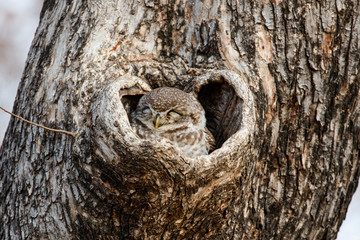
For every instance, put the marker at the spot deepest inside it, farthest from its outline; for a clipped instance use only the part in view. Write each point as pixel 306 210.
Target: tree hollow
pixel 223 108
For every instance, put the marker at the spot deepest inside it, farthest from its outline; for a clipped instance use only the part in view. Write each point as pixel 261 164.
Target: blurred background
pixel 18 22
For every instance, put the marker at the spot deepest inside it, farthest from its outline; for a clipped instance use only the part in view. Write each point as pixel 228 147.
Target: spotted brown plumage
pixel 176 115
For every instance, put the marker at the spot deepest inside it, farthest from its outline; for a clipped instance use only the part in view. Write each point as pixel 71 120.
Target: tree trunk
pixel 279 81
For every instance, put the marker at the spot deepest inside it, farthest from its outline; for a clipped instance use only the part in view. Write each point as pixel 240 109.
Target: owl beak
pixel 157 122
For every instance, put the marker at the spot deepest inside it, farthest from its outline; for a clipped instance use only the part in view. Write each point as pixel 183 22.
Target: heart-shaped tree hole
pixel 223 108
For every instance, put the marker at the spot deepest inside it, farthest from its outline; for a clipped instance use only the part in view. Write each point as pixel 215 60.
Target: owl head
pixel 166 108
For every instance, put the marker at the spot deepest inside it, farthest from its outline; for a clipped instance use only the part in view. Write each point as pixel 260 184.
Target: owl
pixel 175 115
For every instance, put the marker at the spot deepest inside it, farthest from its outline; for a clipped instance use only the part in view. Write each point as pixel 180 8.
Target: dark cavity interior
pixel 223 110
pixel 130 103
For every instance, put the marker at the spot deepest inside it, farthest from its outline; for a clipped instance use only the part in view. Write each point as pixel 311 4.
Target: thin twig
pixel 38 125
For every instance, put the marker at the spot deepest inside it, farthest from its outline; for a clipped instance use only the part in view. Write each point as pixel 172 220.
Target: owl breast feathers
pixel 176 115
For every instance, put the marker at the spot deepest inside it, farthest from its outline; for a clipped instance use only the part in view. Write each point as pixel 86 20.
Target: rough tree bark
pixel 279 81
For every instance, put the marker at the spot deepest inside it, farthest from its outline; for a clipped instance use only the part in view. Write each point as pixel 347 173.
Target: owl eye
pixel 174 114
pixel 146 110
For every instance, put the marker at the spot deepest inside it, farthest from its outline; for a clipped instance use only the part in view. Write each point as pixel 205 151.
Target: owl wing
pixel 210 140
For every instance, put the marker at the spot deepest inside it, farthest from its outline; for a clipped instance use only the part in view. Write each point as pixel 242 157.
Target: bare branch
pixel 38 125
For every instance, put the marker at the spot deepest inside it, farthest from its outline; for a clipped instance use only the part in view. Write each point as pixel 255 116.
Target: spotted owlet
pixel 176 115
